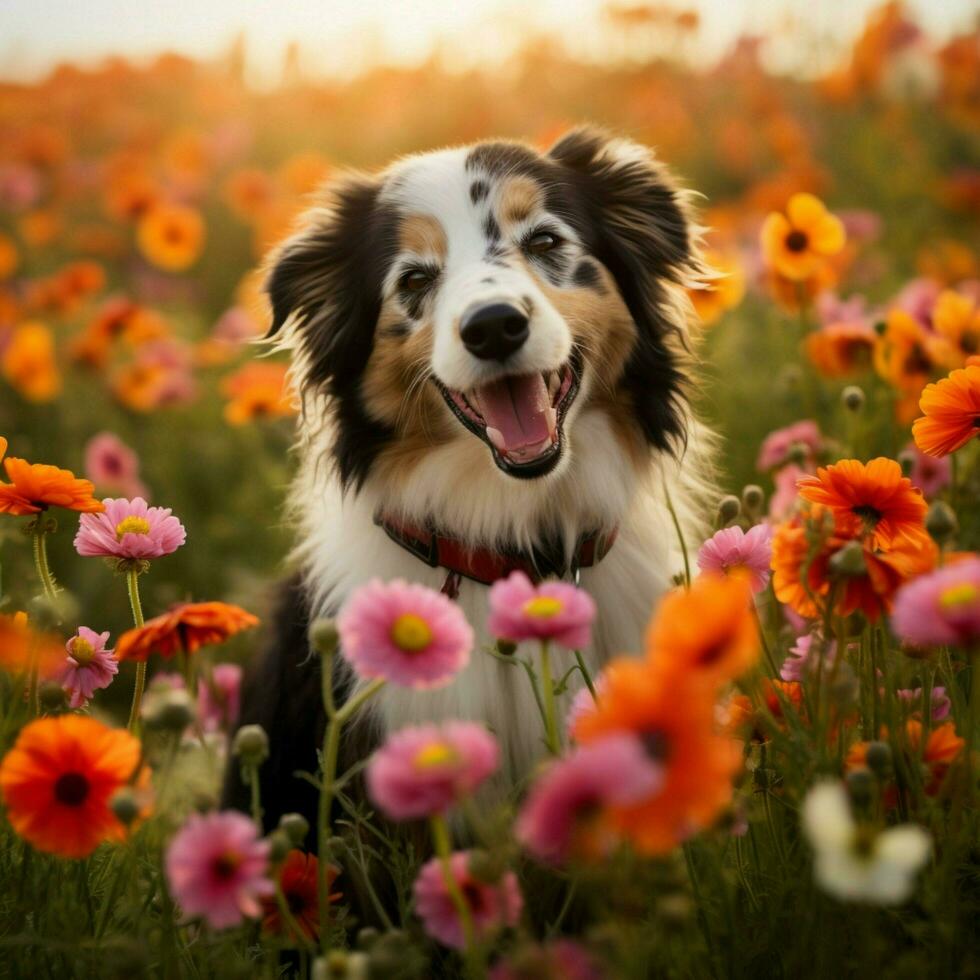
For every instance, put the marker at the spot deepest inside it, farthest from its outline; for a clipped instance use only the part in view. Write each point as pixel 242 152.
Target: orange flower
pixel 8 257
pixel 29 363
pixel 956 319
pixel 302 174
pixel 904 355
pixel 298 881
pixel 119 318
pixel 797 243
pixel 58 779
pixel 721 294
pixel 258 390
pixel 171 236
pixel 21 646
pixel 792 295
pixel 951 413
pixel 35 487
pixel 248 192
pixel 872 500
pixel 185 629
pixel 799 550
pixel 707 629
pixel 131 195
pixel 675 718
pixel 841 349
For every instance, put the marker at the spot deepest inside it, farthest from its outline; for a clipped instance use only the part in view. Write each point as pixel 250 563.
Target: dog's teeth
pixel 497 438
pixel 554 383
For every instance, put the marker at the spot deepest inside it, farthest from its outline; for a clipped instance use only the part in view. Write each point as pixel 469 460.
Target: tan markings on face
pixel 424 235
pixel 396 389
pixel 517 200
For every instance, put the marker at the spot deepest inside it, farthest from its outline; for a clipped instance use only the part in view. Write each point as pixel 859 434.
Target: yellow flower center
pixel 410 633
pixel 82 651
pixel 959 596
pixel 434 754
pixel 132 525
pixel 543 607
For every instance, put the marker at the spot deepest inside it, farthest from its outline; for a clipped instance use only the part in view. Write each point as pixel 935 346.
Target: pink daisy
pixel 940 705
pixel 560 959
pixel 111 465
pixel 218 697
pixel 734 550
pixel 562 815
pixel 551 611
pixel 786 498
pixel 407 634
pixel 129 529
pixel 777 445
pixel 422 771
pixel 491 906
pixel 941 608
pixel 89 667
pixel 929 474
pixel 217 868
pixel 803 658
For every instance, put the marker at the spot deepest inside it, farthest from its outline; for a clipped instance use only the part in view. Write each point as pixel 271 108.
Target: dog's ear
pixel 324 286
pixel 640 226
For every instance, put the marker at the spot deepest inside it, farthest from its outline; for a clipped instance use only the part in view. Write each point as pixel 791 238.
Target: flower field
pixel 781 778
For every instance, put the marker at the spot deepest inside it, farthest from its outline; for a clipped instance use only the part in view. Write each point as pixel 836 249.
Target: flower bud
pixel 506 648
pixel 849 561
pixel 728 509
pixel 753 497
pixel 47 614
pixel 295 826
pixel 52 697
pixel 125 806
pixel 941 522
pixel 878 758
pixel 367 937
pixel 798 453
pixel 280 844
pixel 251 745
pixel 324 637
pixel 172 711
pixel 852 398
pixel 338 964
pixel 860 786
pixel 336 846
pixel 906 459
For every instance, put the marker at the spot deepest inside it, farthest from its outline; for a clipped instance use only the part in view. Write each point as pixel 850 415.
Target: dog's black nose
pixel 494 332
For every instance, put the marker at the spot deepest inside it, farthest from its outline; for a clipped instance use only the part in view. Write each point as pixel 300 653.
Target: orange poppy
pixel 248 192
pixel 29 363
pixel 185 629
pixel 905 351
pixel 798 242
pixel 869 500
pixel 675 717
pixel 708 628
pixel 59 777
pixel 792 295
pixel 798 549
pixel 119 318
pixel 171 236
pixel 21 646
pixel 303 173
pixel 257 390
pixel 721 294
pixel 951 413
pixel 298 882
pixel 956 320
pixel 8 257
pixel 841 349
pixel 35 487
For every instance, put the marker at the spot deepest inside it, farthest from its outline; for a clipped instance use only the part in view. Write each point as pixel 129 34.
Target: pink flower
pixel 89 667
pixel 831 309
pixel 560 959
pixel 405 633
pixel 236 326
pixel 942 607
pixel 733 550
pixel 551 611
pixel 784 501
pixel 218 697
pixel 129 529
pixel 929 474
pixel 917 298
pixel 562 815
pixel 422 771
pixel 491 906
pixel 803 658
pixel 777 445
pixel 217 868
pixel 111 465
pixel 938 699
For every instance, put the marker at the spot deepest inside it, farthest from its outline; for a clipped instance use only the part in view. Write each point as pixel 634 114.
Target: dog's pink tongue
pixel 517 410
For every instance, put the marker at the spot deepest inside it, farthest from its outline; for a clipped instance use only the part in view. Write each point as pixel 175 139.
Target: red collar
pixel 486 566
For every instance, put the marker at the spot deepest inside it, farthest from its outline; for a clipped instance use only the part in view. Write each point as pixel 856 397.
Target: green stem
pixel 548 692
pixel 133 587
pixel 41 564
pixel 680 535
pixel 293 929
pixel 443 849
pixel 255 795
pixel 770 660
pixel 585 673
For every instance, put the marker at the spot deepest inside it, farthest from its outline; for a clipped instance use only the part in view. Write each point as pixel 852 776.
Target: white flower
pixel 852 864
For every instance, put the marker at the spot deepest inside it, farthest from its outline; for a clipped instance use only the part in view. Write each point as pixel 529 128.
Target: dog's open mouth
pixel 520 417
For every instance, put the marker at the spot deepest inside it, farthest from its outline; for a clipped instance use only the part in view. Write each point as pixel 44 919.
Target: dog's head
pixel 492 293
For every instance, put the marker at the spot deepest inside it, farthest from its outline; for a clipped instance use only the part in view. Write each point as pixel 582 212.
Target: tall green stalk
pixel 132 584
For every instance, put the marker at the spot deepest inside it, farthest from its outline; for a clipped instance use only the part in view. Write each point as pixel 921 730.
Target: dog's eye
pixel 415 280
pixel 542 242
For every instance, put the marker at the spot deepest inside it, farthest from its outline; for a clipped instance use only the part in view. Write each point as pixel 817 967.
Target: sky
pixel 338 37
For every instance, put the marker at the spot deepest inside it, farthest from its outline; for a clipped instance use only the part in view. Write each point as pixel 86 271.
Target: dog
pixel 492 350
